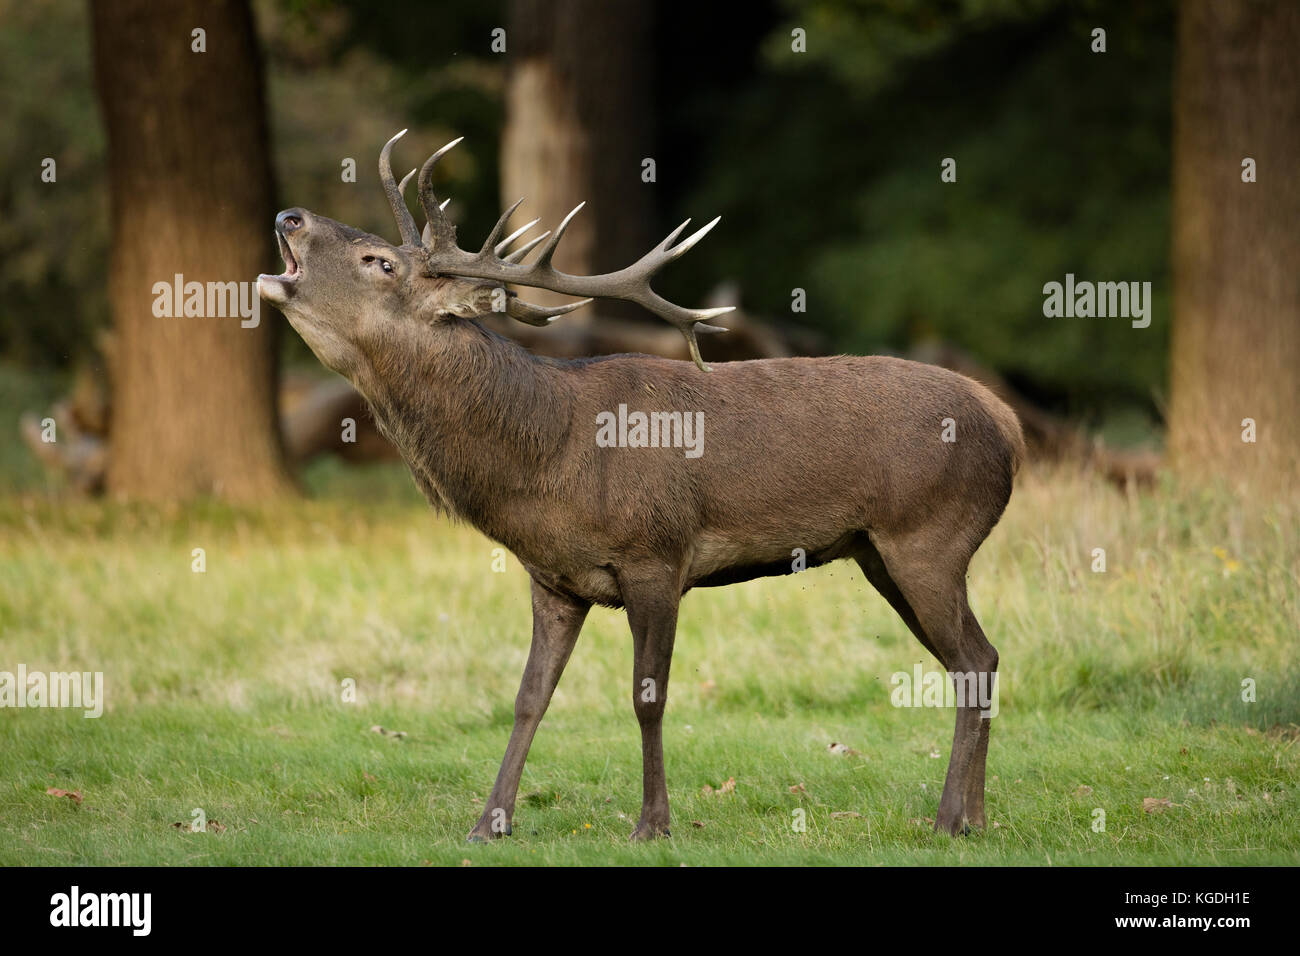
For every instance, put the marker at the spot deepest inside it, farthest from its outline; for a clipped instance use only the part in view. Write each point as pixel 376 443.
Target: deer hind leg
pixel 928 572
pixel 557 621
pixel 974 796
pixel 873 566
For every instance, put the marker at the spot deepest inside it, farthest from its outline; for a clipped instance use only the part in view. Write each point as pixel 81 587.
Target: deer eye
pixel 383 263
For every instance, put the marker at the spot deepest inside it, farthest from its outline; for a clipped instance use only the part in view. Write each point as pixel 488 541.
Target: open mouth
pixel 278 290
pixel 291 270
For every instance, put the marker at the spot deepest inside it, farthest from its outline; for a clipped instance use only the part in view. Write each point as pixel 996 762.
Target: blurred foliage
pixel 53 236
pixel 1062 166
pixel 824 164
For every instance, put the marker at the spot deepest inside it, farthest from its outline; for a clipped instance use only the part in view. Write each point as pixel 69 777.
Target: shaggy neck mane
pixel 478 419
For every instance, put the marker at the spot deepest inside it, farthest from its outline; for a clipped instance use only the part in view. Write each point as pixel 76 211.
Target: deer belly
pixel 728 559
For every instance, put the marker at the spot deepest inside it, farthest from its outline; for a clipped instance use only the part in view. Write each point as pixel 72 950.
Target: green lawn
pixel 224 692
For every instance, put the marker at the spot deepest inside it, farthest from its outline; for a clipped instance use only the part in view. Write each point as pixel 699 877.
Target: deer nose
pixel 290 220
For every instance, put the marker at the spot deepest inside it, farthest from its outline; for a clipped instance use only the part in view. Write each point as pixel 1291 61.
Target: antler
pixel 444 257
pixel 405 221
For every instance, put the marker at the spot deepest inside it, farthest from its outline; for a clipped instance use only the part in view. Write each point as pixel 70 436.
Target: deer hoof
pixel 955 828
pixel 479 835
pixel 645 831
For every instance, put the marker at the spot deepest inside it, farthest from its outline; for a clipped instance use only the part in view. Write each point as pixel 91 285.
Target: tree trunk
pixel 193 397
pixel 1236 245
pixel 578 125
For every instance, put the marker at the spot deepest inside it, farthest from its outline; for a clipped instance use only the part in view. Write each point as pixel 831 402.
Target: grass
pixel 224 691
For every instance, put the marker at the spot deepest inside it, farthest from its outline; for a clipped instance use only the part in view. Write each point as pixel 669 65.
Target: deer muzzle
pixel 278 289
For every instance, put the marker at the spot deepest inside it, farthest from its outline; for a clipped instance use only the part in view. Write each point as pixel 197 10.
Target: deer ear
pixel 468 302
pixel 458 299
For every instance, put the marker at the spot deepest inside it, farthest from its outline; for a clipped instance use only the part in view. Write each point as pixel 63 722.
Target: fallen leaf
pixel 728 787
pixel 73 795
pixel 1083 790
pixel 395 734
pixel 1156 804
pixel 213 826
pixel 698 824
pixel 843 750
pixel 921 821
pixel 798 788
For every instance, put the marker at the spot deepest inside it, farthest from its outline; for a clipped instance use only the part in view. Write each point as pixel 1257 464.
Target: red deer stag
pixel 903 467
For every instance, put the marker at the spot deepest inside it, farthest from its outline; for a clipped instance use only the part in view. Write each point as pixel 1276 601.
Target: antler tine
pixel 536 315
pixel 686 321
pixel 672 236
pixel 518 255
pixel 500 227
pixel 427 235
pixel 441 230
pixel 543 261
pixel 405 221
pixel 684 246
pixel 505 243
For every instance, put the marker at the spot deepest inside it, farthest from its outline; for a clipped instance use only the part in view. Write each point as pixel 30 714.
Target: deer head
pixel 342 285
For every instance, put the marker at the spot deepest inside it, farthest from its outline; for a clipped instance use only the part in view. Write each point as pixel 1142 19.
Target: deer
pixel 842 457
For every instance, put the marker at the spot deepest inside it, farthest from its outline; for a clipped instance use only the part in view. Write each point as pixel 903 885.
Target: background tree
pixel 1236 339
pixel 191 192
pixel 579 122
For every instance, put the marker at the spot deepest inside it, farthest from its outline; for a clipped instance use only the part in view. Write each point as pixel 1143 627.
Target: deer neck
pixel 477 418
